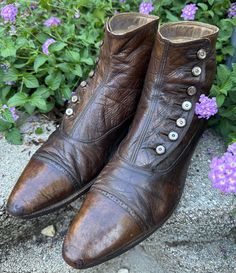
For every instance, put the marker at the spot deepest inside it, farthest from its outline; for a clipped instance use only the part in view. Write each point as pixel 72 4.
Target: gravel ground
pixel 197 238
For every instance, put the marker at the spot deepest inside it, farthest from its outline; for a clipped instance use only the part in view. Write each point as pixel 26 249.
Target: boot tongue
pixel 127 22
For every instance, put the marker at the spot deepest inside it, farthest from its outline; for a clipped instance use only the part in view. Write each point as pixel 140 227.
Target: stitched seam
pixel 124 206
pixel 153 104
pixel 59 167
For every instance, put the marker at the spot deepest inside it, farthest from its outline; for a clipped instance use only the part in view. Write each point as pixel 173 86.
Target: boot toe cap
pixel 39 187
pixel 99 232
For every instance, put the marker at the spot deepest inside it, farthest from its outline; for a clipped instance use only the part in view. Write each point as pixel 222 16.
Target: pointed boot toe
pixel 96 235
pixel 40 187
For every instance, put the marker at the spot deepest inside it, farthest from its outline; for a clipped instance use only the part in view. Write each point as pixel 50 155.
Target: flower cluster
pixel 189 12
pixel 223 171
pixel 232 10
pixel 46 45
pixel 9 13
pixel 52 22
pixel 12 110
pixel 146 7
pixel 206 107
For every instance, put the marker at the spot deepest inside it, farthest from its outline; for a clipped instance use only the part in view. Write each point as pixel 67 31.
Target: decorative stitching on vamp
pixel 124 206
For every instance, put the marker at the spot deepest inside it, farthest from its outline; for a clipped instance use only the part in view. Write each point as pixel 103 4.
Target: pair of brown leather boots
pixel 145 85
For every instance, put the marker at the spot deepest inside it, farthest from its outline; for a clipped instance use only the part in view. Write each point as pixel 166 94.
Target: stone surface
pixel 197 238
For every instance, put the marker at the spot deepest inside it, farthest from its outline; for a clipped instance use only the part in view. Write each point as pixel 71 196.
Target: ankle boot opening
pixel 187 31
pixel 126 22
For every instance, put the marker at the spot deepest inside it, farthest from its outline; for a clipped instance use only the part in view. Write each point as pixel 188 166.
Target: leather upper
pixel 96 120
pixel 145 177
pixel 137 173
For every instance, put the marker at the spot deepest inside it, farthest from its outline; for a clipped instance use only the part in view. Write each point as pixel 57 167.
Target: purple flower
pixel 12 110
pixel 33 6
pixel 189 11
pixel 122 1
pixel 14 114
pixel 4 67
pixel 77 14
pixel 9 13
pixel 206 107
pixel 12 30
pixel 47 43
pixel 232 10
pixel 52 22
pixel 223 172
pixel 146 7
pixel 9 83
pixel 232 149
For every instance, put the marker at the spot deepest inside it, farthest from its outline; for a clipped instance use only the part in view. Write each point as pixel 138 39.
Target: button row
pixel 186 105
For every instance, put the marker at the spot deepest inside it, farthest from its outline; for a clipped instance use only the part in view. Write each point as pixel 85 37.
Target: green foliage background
pixel 43 82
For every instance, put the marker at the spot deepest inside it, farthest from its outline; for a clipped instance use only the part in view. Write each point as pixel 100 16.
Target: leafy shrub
pixel 35 82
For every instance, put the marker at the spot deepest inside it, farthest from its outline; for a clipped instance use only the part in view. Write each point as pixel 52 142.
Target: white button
pixel 173 136
pixel 186 105
pixel 74 98
pixel 201 54
pixel 83 83
pixel 181 122
pixel 101 43
pixel 69 111
pixel 160 149
pixel 192 90
pixel 91 73
pixel 196 71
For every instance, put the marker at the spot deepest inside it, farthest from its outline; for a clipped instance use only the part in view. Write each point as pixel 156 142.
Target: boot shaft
pixel 115 87
pixel 182 67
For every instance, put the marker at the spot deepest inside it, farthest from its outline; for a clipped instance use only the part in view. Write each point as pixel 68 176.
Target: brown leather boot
pixel 140 187
pixel 97 118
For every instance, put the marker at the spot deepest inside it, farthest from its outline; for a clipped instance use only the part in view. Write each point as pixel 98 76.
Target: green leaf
pixel 54 80
pixel 203 6
pixel 64 67
pixel 228 50
pixel 171 17
pixel 43 92
pixel 66 92
pixel 13 136
pixel 10 75
pixel 18 99
pixel 38 102
pixel 72 56
pixel 226 87
pixel 9 51
pixel 39 61
pixel 211 2
pixel 30 81
pixel 4 125
pixel 57 46
pixel 45 3
pixel 78 71
pixel 29 108
pixel 222 73
pixel 7 115
pixel 220 100
pixel 87 60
